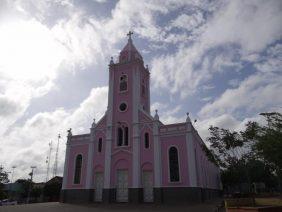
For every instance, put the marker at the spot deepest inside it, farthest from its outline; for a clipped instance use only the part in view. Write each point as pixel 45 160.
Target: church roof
pixel 129 47
pixel 130 50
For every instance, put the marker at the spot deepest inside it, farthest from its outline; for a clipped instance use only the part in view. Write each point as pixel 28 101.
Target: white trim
pixel 168 165
pixel 191 157
pixel 66 168
pixel 75 169
pixel 157 156
pixel 136 181
pixel 109 129
pixel 149 95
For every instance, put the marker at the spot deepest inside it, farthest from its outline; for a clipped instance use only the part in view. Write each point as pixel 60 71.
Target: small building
pixel 52 189
pixel 130 155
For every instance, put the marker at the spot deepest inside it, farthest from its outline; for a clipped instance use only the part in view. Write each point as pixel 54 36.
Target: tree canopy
pixel 3 179
pixel 251 155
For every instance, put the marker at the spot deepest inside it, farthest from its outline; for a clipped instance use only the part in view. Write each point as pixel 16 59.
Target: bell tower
pixel 129 89
pixel 129 93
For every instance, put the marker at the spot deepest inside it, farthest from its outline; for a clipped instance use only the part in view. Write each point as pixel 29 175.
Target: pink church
pixel 130 155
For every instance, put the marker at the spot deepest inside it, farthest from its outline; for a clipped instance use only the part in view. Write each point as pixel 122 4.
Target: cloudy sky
pixel 219 60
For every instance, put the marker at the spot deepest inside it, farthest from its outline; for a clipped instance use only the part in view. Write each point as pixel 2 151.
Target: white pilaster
pixel 65 177
pixel 109 140
pixel 149 95
pixel 157 155
pixel 136 157
pixel 191 155
pixel 135 130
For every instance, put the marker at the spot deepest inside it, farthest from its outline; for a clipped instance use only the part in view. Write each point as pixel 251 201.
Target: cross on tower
pixel 129 34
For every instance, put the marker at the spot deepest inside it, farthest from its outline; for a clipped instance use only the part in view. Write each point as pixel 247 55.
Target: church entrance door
pixel 99 181
pixel 122 186
pixel 148 194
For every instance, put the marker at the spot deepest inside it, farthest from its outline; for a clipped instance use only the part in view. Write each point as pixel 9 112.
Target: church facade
pixel 130 155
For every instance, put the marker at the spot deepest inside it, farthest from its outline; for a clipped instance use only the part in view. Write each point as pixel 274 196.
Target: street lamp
pixel 12 177
pixel 30 185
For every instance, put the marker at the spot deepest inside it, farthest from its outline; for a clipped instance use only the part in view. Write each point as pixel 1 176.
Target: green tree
pixel 226 147
pixel 251 155
pixel 3 179
pixel 267 140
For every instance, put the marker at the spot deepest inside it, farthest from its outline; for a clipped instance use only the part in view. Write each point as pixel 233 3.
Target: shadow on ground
pixel 62 207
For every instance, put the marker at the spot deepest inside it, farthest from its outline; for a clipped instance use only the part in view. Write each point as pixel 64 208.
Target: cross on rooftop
pixel 129 34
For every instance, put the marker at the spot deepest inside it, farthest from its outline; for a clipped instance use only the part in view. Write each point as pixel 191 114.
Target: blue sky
pixel 219 60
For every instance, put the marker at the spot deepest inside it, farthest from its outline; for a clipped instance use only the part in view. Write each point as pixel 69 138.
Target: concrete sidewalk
pixel 62 207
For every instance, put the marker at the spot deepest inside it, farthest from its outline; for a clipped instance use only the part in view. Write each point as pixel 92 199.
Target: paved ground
pixel 59 207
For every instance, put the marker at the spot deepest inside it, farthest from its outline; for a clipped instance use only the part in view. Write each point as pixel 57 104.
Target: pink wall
pixel 120 97
pixel 99 157
pixel 74 151
pixel 208 173
pixel 180 143
pixel 147 155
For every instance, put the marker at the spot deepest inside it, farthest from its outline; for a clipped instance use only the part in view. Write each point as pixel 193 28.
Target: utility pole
pixel 48 161
pixel 30 185
pixel 56 158
pixel 12 177
pixel 11 183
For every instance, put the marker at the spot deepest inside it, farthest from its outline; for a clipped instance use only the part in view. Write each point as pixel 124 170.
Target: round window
pixel 122 107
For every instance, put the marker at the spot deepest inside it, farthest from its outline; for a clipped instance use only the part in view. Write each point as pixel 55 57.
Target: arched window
pixel 146 140
pixel 77 171
pixel 173 164
pixel 122 137
pixel 100 145
pixel 123 83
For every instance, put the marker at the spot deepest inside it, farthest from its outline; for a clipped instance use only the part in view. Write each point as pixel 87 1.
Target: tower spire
pixel 129 35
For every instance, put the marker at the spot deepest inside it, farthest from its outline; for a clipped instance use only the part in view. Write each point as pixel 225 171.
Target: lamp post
pixel 12 177
pixel 30 185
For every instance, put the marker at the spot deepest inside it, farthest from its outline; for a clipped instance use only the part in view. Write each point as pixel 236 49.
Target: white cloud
pixel 254 94
pixel 167 115
pixel 234 82
pixel 206 99
pixel 27 145
pixel 187 22
pixel 247 26
pixel 225 121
